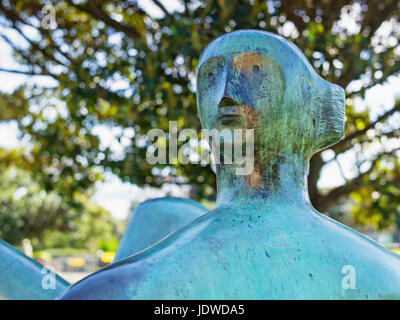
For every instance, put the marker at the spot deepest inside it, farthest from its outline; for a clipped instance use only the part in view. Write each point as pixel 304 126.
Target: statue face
pixel 255 79
pixel 235 89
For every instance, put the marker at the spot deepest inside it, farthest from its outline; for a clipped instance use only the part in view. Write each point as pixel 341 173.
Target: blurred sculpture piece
pixel 22 278
pixel 153 220
pixel 264 240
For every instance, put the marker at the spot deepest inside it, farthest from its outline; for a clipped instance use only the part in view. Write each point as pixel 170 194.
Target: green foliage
pixel 109 245
pixel 27 211
pixel 97 43
pixel 376 203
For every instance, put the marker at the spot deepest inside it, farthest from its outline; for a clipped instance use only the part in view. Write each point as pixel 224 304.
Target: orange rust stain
pixel 250 115
pixel 247 60
pixel 254 179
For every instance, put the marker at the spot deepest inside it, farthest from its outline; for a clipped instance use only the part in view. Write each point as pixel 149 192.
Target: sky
pixel 116 196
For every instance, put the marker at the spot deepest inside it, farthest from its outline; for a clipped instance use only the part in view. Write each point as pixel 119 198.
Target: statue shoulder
pixel 135 277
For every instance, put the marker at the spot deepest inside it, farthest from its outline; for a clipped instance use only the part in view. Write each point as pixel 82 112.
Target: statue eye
pixel 210 75
pixel 256 68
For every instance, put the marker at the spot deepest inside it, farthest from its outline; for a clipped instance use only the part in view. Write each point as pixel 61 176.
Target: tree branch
pixel 377 14
pixel 343 143
pixel 325 202
pixel 28 73
pixel 17 20
pixel 161 6
pixel 28 58
pixel 94 10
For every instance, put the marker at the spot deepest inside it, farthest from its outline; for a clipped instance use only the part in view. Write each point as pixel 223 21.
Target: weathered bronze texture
pixel 264 240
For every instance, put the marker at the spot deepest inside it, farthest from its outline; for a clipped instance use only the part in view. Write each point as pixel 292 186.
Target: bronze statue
pixel 264 240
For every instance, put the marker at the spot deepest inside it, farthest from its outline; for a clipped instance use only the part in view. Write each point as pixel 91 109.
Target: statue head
pixel 256 79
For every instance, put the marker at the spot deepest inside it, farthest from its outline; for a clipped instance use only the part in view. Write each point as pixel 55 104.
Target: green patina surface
pixel 153 220
pixel 21 277
pixel 264 240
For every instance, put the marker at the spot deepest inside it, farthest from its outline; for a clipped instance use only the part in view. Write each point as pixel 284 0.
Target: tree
pixel 27 211
pixel 116 64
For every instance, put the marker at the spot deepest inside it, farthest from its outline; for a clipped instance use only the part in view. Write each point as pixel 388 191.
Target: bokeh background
pixel 82 82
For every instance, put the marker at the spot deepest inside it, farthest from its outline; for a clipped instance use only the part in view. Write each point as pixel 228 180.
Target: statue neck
pixel 275 176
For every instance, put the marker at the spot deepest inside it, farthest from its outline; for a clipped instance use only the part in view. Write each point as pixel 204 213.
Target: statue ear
pixel 329 115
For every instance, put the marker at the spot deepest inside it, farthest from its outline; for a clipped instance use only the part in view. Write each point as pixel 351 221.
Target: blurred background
pixel 82 81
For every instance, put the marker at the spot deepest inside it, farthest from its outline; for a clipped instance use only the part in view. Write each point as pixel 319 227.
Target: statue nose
pixel 227 101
